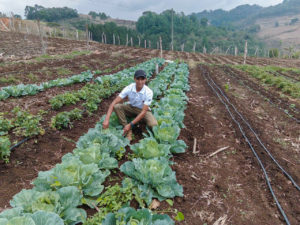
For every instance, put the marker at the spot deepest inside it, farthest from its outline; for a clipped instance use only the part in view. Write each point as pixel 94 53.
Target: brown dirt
pixel 227 188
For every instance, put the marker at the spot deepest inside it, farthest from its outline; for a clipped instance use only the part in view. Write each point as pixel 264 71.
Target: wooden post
pixel 114 39
pixel 256 51
pixel 145 43
pixel 102 38
pixel 149 43
pixel 194 47
pixel 204 50
pixel 182 47
pixel 160 43
pixel 87 35
pixel 126 40
pixel 131 41
pixel 139 41
pixel 227 50
pixel 119 42
pixel 41 37
pixel 105 39
pixel 245 52
pixel 77 35
pixel 157 45
pixel 235 51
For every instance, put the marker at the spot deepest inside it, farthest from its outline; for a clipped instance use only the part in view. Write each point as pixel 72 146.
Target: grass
pixel 263 74
pixel 8 80
pixel 85 67
pixel 32 77
pixel 61 71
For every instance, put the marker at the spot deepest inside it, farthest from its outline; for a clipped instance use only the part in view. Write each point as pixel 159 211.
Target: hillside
pixel 279 32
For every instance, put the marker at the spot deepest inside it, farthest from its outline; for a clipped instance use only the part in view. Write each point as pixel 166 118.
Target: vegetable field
pixel 226 149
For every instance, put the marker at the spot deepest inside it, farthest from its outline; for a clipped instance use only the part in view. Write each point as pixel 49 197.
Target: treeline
pixel 188 33
pixel 101 15
pixel 49 14
pixel 189 30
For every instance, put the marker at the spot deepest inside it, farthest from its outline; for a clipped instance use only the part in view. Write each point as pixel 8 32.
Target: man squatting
pixel 140 98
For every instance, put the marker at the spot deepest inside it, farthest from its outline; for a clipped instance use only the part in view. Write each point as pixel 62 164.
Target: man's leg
pixel 122 111
pixel 150 120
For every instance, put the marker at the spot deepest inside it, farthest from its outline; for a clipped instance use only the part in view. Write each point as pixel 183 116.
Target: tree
pixel 274 53
pixel 204 22
pixel 93 14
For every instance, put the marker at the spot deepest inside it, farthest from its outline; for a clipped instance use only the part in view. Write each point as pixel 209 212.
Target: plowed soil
pixel 220 187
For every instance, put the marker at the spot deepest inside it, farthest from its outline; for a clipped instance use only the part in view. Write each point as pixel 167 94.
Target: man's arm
pixel 105 123
pixel 140 116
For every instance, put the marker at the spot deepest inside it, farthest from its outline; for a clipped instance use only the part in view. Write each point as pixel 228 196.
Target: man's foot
pixel 129 135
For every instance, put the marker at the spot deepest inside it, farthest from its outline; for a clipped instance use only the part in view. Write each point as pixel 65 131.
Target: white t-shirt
pixel 137 99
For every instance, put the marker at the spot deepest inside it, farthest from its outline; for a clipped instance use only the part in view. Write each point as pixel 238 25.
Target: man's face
pixel 140 82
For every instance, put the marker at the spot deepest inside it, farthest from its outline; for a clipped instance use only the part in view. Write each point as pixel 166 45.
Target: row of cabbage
pixel 78 179
pixel 149 173
pixel 32 89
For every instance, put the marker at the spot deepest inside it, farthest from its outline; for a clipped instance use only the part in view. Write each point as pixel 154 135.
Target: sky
pixel 131 9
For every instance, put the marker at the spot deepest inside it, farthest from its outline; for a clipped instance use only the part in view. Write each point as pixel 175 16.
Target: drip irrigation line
pixel 252 149
pixel 256 136
pixel 280 108
pixel 19 143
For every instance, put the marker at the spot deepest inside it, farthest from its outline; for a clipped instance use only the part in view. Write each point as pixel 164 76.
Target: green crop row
pixel 264 74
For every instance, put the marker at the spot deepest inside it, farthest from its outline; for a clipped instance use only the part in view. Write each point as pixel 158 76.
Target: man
pixel 140 98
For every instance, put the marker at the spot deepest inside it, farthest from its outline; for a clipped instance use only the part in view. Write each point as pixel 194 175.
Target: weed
pixel 85 67
pixel 32 77
pixel 63 71
pixel 8 80
pixel 226 86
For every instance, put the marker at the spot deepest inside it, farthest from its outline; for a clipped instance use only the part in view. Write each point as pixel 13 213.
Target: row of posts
pixel 116 38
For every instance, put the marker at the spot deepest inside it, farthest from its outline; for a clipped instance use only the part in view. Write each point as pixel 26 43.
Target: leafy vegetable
pixel 155 173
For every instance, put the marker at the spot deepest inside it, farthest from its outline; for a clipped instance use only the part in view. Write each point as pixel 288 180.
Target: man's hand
pixel 126 129
pixel 105 124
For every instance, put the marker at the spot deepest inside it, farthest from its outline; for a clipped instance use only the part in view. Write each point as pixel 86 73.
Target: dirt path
pixel 229 186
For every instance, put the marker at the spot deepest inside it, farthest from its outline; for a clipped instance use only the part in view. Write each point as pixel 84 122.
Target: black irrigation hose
pixel 252 149
pixel 280 108
pixel 257 138
pixel 19 143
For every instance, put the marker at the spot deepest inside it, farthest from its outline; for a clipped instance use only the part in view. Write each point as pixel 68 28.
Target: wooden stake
pixel 131 41
pixel 194 47
pixel 204 50
pixel 160 42
pixel 145 43
pixel 235 51
pixel 195 146
pixel 219 150
pixel 114 39
pixel 87 35
pixel 245 52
